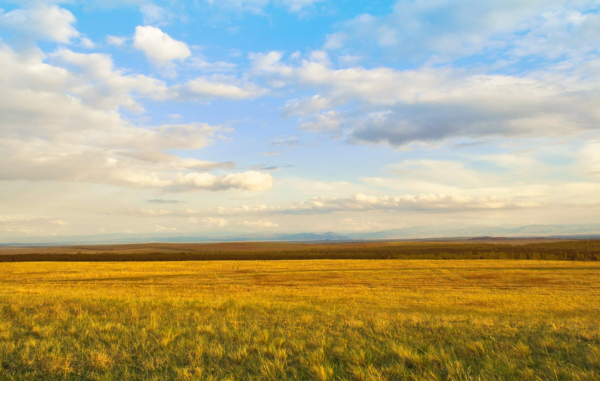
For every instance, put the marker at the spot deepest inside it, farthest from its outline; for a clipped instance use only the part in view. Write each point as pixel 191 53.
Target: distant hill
pixel 527 230
pixel 133 238
pixel 417 232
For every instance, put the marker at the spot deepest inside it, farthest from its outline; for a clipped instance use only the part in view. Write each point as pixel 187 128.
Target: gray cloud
pixel 429 104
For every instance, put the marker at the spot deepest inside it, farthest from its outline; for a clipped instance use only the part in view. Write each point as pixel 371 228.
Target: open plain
pixel 301 319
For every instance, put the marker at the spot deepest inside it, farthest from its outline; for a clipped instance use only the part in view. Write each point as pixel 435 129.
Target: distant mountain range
pixel 418 232
pixel 527 230
pixel 169 238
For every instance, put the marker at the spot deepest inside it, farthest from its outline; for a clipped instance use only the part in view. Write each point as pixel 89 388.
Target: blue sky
pixel 219 117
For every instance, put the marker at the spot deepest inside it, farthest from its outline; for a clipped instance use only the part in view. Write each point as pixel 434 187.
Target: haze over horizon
pixel 279 116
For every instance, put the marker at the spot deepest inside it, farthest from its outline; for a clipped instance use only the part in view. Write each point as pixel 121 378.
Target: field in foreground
pixel 311 319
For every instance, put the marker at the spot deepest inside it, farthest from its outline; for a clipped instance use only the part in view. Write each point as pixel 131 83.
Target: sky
pixel 216 117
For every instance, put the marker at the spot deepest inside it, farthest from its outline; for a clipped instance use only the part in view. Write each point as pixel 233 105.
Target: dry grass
pixel 256 246
pixel 321 320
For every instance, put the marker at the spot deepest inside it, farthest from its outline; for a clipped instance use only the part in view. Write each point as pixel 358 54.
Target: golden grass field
pixel 313 319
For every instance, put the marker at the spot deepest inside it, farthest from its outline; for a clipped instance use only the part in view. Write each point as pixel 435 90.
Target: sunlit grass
pixel 319 320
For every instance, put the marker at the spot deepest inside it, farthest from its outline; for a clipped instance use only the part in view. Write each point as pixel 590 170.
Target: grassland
pixel 303 319
pixel 520 249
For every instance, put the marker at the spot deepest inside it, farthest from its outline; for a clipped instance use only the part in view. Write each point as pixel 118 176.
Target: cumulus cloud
pixel 329 121
pixel 158 46
pixel 198 62
pixel 259 224
pixel 427 104
pixel 209 222
pixel 39 21
pixel 102 85
pixel 116 40
pixel 250 180
pixel 79 118
pixel 77 99
pixel 81 107
pixel 307 106
pixel 220 86
pixel 111 168
pixel 423 202
pixel 86 43
pixel 62 124
pixel 359 203
pixel 173 162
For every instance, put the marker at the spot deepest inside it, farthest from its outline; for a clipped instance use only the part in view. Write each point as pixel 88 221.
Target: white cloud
pixel 589 159
pixel 326 122
pixel 427 104
pixel 116 40
pixel 74 130
pixel 41 161
pixel 439 31
pixel 570 30
pixel 160 228
pixel 299 5
pixel 415 173
pixel 222 87
pixel 101 85
pixel 144 212
pixel 31 225
pixel 258 6
pixel 86 43
pixel 446 203
pixel 112 87
pixel 252 6
pixel 39 21
pixel 349 59
pixel 335 41
pixel 200 63
pixel 61 125
pixel 179 136
pixel 423 202
pixel 259 224
pixel 210 222
pixel 247 209
pixel 158 46
pixel 307 106
pixel 155 15
pixel 250 180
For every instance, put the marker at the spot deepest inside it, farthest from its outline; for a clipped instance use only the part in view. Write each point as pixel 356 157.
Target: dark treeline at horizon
pixel 578 250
